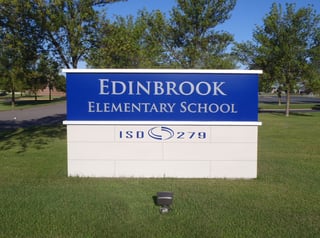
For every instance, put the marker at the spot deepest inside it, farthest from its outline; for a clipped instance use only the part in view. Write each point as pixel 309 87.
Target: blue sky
pixel 245 16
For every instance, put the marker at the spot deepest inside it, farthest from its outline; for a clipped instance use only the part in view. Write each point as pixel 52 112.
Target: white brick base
pixel 195 151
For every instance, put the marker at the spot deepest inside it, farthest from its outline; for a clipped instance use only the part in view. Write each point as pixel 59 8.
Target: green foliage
pixel 118 45
pixel 194 41
pixel 286 48
pixel 20 39
pixel 313 84
pixel 129 42
pixel 35 83
pixel 186 40
pixel 154 36
pixel 60 83
pixel 69 29
pixel 38 200
pixel 63 30
pixel 48 70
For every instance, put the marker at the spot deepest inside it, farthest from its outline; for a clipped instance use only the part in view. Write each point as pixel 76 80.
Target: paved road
pixel 293 99
pixel 270 99
pixel 43 115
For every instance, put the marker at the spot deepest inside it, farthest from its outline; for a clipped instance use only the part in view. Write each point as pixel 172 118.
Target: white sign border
pixel 183 123
pixel 169 71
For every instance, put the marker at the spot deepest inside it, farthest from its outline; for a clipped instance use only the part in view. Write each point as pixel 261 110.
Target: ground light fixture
pixel 164 200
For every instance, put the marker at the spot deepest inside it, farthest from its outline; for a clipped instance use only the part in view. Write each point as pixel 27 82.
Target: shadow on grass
pixel 154 199
pixel 36 133
pixel 300 114
pixel 316 107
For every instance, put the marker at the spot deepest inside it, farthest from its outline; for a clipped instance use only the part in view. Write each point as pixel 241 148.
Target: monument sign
pixel 162 123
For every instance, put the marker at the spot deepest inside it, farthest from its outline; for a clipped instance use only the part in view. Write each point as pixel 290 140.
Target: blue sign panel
pixel 132 96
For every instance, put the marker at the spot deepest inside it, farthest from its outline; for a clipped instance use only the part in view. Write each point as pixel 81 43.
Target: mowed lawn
pixel 37 199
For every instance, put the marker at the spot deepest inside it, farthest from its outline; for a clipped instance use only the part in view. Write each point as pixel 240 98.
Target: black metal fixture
pixel 164 200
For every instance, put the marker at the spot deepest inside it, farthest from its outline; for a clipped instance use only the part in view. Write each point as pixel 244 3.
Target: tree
pixel 50 71
pixel 194 42
pixel 153 32
pixel 70 28
pixel 313 84
pixel 187 40
pixel 20 39
pixel 34 82
pixel 60 83
pixel 44 74
pixel 116 45
pixel 129 42
pixel 285 47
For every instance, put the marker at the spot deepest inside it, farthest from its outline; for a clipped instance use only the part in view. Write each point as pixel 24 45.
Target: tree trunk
pixel 50 94
pixel 279 98
pixel 13 99
pixel 288 103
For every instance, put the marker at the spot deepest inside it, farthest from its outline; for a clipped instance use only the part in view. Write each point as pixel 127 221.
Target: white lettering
pixel 145 89
pixel 130 107
pixel 91 106
pixel 115 107
pixel 207 88
pixel 118 87
pixel 202 108
pixel 216 88
pixel 182 88
pixel 213 108
pixel 98 109
pixel 207 108
pixel 183 107
pixel 171 88
pixel 104 87
pixel 158 88
pixel 130 83
pixel 171 106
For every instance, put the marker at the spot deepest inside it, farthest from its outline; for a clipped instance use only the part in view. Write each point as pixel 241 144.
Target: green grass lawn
pixel 27 102
pixel 292 106
pixel 38 200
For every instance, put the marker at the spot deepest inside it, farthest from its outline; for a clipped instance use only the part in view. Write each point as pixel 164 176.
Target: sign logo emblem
pixel 161 133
